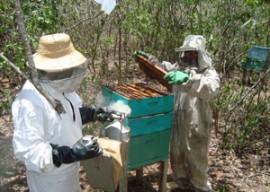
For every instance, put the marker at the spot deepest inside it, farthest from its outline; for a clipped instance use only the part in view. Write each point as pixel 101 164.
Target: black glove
pixel 85 148
pixel 104 114
pixel 91 114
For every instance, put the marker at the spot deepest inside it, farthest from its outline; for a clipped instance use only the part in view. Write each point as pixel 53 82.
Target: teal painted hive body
pixel 256 57
pixel 150 124
pixel 141 107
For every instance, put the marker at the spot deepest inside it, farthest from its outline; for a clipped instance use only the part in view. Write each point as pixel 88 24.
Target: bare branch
pixel 56 104
pixel 83 20
pixel 22 31
pixel 14 67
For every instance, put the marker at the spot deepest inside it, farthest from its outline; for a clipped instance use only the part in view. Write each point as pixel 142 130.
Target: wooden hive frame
pixel 153 71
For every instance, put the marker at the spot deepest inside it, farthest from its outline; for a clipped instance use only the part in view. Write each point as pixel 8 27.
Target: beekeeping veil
pixel 59 66
pixel 195 43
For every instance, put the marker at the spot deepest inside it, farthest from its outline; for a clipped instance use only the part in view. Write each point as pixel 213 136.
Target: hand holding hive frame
pixel 153 71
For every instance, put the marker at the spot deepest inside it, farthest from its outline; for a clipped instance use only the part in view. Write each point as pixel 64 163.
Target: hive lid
pixel 153 71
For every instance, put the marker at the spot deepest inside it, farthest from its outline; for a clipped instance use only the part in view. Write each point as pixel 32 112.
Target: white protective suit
pixel 36 125
pixel 192 119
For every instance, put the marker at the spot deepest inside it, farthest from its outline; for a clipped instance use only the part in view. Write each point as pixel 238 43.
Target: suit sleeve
pixel 28 139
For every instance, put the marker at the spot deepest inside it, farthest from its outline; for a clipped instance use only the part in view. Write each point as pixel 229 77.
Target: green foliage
pixel 251 124
pixel 155 29
pixel 5 101
pixel 224 188
pixel 40 17
pixel 226 97
pixel 244 123
pixel 252 3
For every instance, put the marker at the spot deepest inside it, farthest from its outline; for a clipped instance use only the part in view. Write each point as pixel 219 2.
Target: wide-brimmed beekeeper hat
pixel 56 53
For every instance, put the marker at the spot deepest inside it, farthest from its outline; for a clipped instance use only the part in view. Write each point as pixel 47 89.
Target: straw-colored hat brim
pixel 71 60
pixel 57 53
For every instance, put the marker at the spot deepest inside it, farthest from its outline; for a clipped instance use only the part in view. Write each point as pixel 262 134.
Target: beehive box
pixel 150 122
pixel 149 148
pixel 153 102
pixel 256 58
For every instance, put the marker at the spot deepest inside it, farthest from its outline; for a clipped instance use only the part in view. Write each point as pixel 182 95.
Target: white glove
pixel 194 76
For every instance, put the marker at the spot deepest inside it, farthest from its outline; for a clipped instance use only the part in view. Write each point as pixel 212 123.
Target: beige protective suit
pixel 192 119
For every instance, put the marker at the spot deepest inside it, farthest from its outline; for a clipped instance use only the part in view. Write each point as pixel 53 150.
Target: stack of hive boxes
pixel 150 121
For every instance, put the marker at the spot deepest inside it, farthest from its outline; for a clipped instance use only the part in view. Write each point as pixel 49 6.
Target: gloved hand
pixel 194 76
pixel 93 113
pixel 104 114
pixel 136 53
pixel 176 77
pixel 85 148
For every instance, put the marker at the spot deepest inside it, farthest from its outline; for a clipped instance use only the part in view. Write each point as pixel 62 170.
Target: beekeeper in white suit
pixel 194 82
pixel 51 144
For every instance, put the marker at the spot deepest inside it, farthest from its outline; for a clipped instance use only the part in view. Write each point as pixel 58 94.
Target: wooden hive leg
pixel 163 175
pixel 246 76
pixel 139 175
pixel 123 181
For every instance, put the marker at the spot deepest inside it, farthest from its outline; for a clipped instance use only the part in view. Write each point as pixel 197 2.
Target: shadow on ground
pixel 12 172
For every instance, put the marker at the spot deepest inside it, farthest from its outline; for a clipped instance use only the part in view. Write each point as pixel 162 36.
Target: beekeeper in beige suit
pixel 195 82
